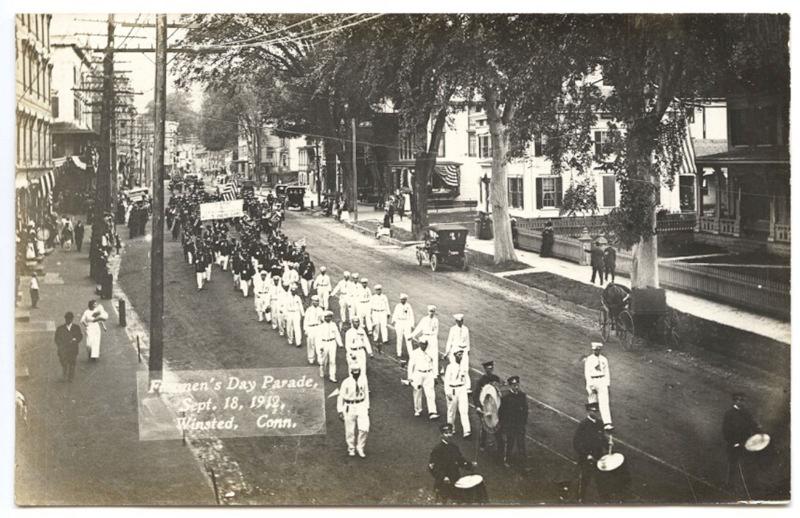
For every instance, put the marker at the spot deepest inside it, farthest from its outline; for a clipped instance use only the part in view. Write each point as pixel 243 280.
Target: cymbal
pixel 610 462
pixel 757 442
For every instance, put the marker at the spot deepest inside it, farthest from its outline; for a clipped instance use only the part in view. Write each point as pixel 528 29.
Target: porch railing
pixel 783 233
pixel 727 226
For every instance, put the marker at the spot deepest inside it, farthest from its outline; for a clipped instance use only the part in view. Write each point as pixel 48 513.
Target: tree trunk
pixel 644 268
pixel 498 128
pixel 257 154
pixel 423 164
pixel 330 166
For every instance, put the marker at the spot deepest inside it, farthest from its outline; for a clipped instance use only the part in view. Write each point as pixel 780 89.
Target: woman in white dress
pixel 92 321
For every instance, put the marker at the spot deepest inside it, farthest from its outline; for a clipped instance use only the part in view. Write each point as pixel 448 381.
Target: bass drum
pixel 470 489
pixel 490 400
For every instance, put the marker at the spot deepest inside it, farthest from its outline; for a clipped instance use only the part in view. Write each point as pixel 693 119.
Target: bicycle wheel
pixel 625 330
pixel 604 325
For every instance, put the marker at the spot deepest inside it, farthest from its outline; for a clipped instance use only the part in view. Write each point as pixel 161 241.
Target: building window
pixel 538 145
pixel 515 193
pixel 484 146
pixel 472 144
pixel 548 192
pixel 54 106
pixel 602 146
pixel 302 158
pixel 738 127
pixel 686 187
pixel 609 190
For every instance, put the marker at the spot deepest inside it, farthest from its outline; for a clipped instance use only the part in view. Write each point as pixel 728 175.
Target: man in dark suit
pixel 590 444
pixel 597 262
pixel 610 262
pixel 738 425
pixel 68 337
pixel 445 464
pixel 79 231
pixel 513 419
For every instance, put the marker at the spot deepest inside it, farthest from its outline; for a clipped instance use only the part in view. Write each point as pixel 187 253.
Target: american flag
pixel 229 191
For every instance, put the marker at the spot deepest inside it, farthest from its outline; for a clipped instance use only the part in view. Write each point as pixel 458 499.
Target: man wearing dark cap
pixel 737 426
pixel 488 377
pixel 590 444
pixel 445 464
pixel 68 337
pixel 513 419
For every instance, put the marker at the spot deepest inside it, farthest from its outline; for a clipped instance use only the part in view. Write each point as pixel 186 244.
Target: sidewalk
pixel 81 444
pixel 702 308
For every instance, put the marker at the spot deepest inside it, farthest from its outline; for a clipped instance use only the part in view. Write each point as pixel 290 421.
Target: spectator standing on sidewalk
pixel 66 234
pixel 610 263
pixel 34 289
pixel 401 205
pixel 79 231
pixel 68 336
pixel 597 262
pixel 548 238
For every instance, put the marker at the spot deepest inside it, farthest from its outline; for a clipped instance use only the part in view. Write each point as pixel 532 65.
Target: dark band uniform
pixel 737 426
pixel 589 440
pixel 446 461
pixel 513 419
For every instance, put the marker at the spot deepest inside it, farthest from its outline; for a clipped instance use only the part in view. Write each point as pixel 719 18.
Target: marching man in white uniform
pixel 92 322
pixel 323 286
pixel 261 294
pixel 357 346
pixel 342 290
pixel 313 319
pixel 363 298
pixel 274 294
pixel 456 390
pixel 428 331
pixel 403 322
pixel 327 339
pixel 421 377
pixel 379 309
pixel 598 382
pixel 294 316
pixel 352 296
pixel 458 339
pixel 353 408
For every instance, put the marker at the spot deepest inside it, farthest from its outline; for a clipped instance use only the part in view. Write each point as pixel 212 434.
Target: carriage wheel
pixel 625 330
pixel 604 325
pixel 434 262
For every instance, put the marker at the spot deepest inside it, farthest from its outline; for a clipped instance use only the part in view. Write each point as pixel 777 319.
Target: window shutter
pixel 558 192
pixel 609 192
pixel 598 144
pixel 538 193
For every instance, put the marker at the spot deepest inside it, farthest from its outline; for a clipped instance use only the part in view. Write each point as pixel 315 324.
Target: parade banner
pixel 231 403
pixel 222 209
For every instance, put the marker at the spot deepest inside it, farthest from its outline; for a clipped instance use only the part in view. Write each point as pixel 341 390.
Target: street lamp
pixel 485 180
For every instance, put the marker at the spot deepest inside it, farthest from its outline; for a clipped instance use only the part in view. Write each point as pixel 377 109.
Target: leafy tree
pixel 654 63
pixel 179 108
pixel 519 67
pixel 218 129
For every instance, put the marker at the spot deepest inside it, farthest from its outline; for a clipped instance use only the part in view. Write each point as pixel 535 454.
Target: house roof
pixel 747 155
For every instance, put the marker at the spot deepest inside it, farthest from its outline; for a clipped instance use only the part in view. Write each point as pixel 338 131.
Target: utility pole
pixel 355 171
pixel 319 180
pixel 102 199
pixel 157 244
